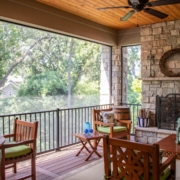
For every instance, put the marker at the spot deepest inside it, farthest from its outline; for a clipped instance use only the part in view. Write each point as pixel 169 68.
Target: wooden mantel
pixel 160 79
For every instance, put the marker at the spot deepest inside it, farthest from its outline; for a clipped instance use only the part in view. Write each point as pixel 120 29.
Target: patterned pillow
pixel 108 116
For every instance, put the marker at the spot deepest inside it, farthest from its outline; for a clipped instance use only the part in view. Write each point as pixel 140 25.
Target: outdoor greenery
pixel 133 73
pixel 57 71
pixel 54 68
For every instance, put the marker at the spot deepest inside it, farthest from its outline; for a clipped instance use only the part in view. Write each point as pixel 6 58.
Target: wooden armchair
pixel 22 147
pixel 131 160
pixel 122 130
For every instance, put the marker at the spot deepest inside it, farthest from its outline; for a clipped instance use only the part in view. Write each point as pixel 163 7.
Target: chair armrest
pixel 167 162
pixel 9 135
pixel 17 144
pixel 125 121
pixel 104 124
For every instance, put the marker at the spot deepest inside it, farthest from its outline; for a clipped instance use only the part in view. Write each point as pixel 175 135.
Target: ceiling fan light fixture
pixel 127 16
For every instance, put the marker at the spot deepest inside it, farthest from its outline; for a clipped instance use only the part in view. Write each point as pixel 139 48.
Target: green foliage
pixel 49 70
pixel 137 89
pixel 136 86
pixel 88 88
pixel 44 84
pixel 44 68
pixel 14 40
pixel 133 73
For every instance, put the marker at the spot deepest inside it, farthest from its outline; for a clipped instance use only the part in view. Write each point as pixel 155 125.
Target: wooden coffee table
pixel 169 145
pixel 85 140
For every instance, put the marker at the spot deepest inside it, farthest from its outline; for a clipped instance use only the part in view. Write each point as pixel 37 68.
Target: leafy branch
pixel 20 59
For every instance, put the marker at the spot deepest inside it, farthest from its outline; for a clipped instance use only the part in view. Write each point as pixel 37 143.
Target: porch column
pixel 105 75
pixel 116 75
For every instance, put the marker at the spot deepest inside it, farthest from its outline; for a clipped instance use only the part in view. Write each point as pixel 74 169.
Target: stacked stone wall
pixel 105 75
pixel 116 75
pixel 116 98
pixel 156 39
pixel 151 135
pixel 124 74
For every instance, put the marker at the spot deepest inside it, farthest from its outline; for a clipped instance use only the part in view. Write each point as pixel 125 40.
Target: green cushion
pixel 106 129
pixel 166 173
pixel 163 176
pixel 17 151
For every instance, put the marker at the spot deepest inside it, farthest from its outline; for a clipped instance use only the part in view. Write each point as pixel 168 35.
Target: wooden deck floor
pixel 54 164
pixel 61 164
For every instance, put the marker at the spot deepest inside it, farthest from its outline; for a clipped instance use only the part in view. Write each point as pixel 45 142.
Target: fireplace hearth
pixel 167 111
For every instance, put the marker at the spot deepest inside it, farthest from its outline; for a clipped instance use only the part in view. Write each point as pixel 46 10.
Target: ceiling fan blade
pixel 127 16
pixel 155 13
pixel 114 7
pixel 163 2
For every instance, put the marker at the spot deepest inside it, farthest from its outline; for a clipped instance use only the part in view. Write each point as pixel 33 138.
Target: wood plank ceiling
pixel 111 18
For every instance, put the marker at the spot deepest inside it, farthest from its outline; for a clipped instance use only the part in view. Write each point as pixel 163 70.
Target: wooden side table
pixel 85 140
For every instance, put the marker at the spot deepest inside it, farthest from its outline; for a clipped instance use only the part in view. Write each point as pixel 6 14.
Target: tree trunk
pixel 69 73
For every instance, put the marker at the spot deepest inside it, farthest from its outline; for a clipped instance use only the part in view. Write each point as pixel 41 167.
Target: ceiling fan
pixel 145 5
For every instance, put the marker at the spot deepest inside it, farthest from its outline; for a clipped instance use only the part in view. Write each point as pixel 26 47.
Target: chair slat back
pixel 25 131
pixel 130 160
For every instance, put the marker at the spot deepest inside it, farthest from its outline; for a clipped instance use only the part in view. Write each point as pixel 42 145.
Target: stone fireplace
pixel 157 39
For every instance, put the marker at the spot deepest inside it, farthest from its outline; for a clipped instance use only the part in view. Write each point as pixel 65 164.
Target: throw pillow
pixel 108 116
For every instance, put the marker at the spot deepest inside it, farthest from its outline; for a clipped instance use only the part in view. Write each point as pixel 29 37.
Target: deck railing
pixel 56 127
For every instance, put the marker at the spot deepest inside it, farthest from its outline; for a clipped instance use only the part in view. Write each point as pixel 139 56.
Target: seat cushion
pixel 163 176
pixel 106 129
pixel 17 151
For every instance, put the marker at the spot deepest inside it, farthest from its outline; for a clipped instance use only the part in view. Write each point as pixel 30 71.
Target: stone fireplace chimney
pixel 157 39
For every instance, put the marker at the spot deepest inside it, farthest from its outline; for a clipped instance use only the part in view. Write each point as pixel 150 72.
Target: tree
pixel 134 96
pixel 69 72
pixel 13 49
pixel 43 60
pixel 32 52
pixel 75 64
pixel 137 89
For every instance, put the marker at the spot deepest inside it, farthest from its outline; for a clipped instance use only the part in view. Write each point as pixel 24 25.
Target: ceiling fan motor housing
pixel 137 5
pixel 130 2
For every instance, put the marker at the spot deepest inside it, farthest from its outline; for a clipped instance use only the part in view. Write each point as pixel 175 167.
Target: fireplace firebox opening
pixel 167 111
